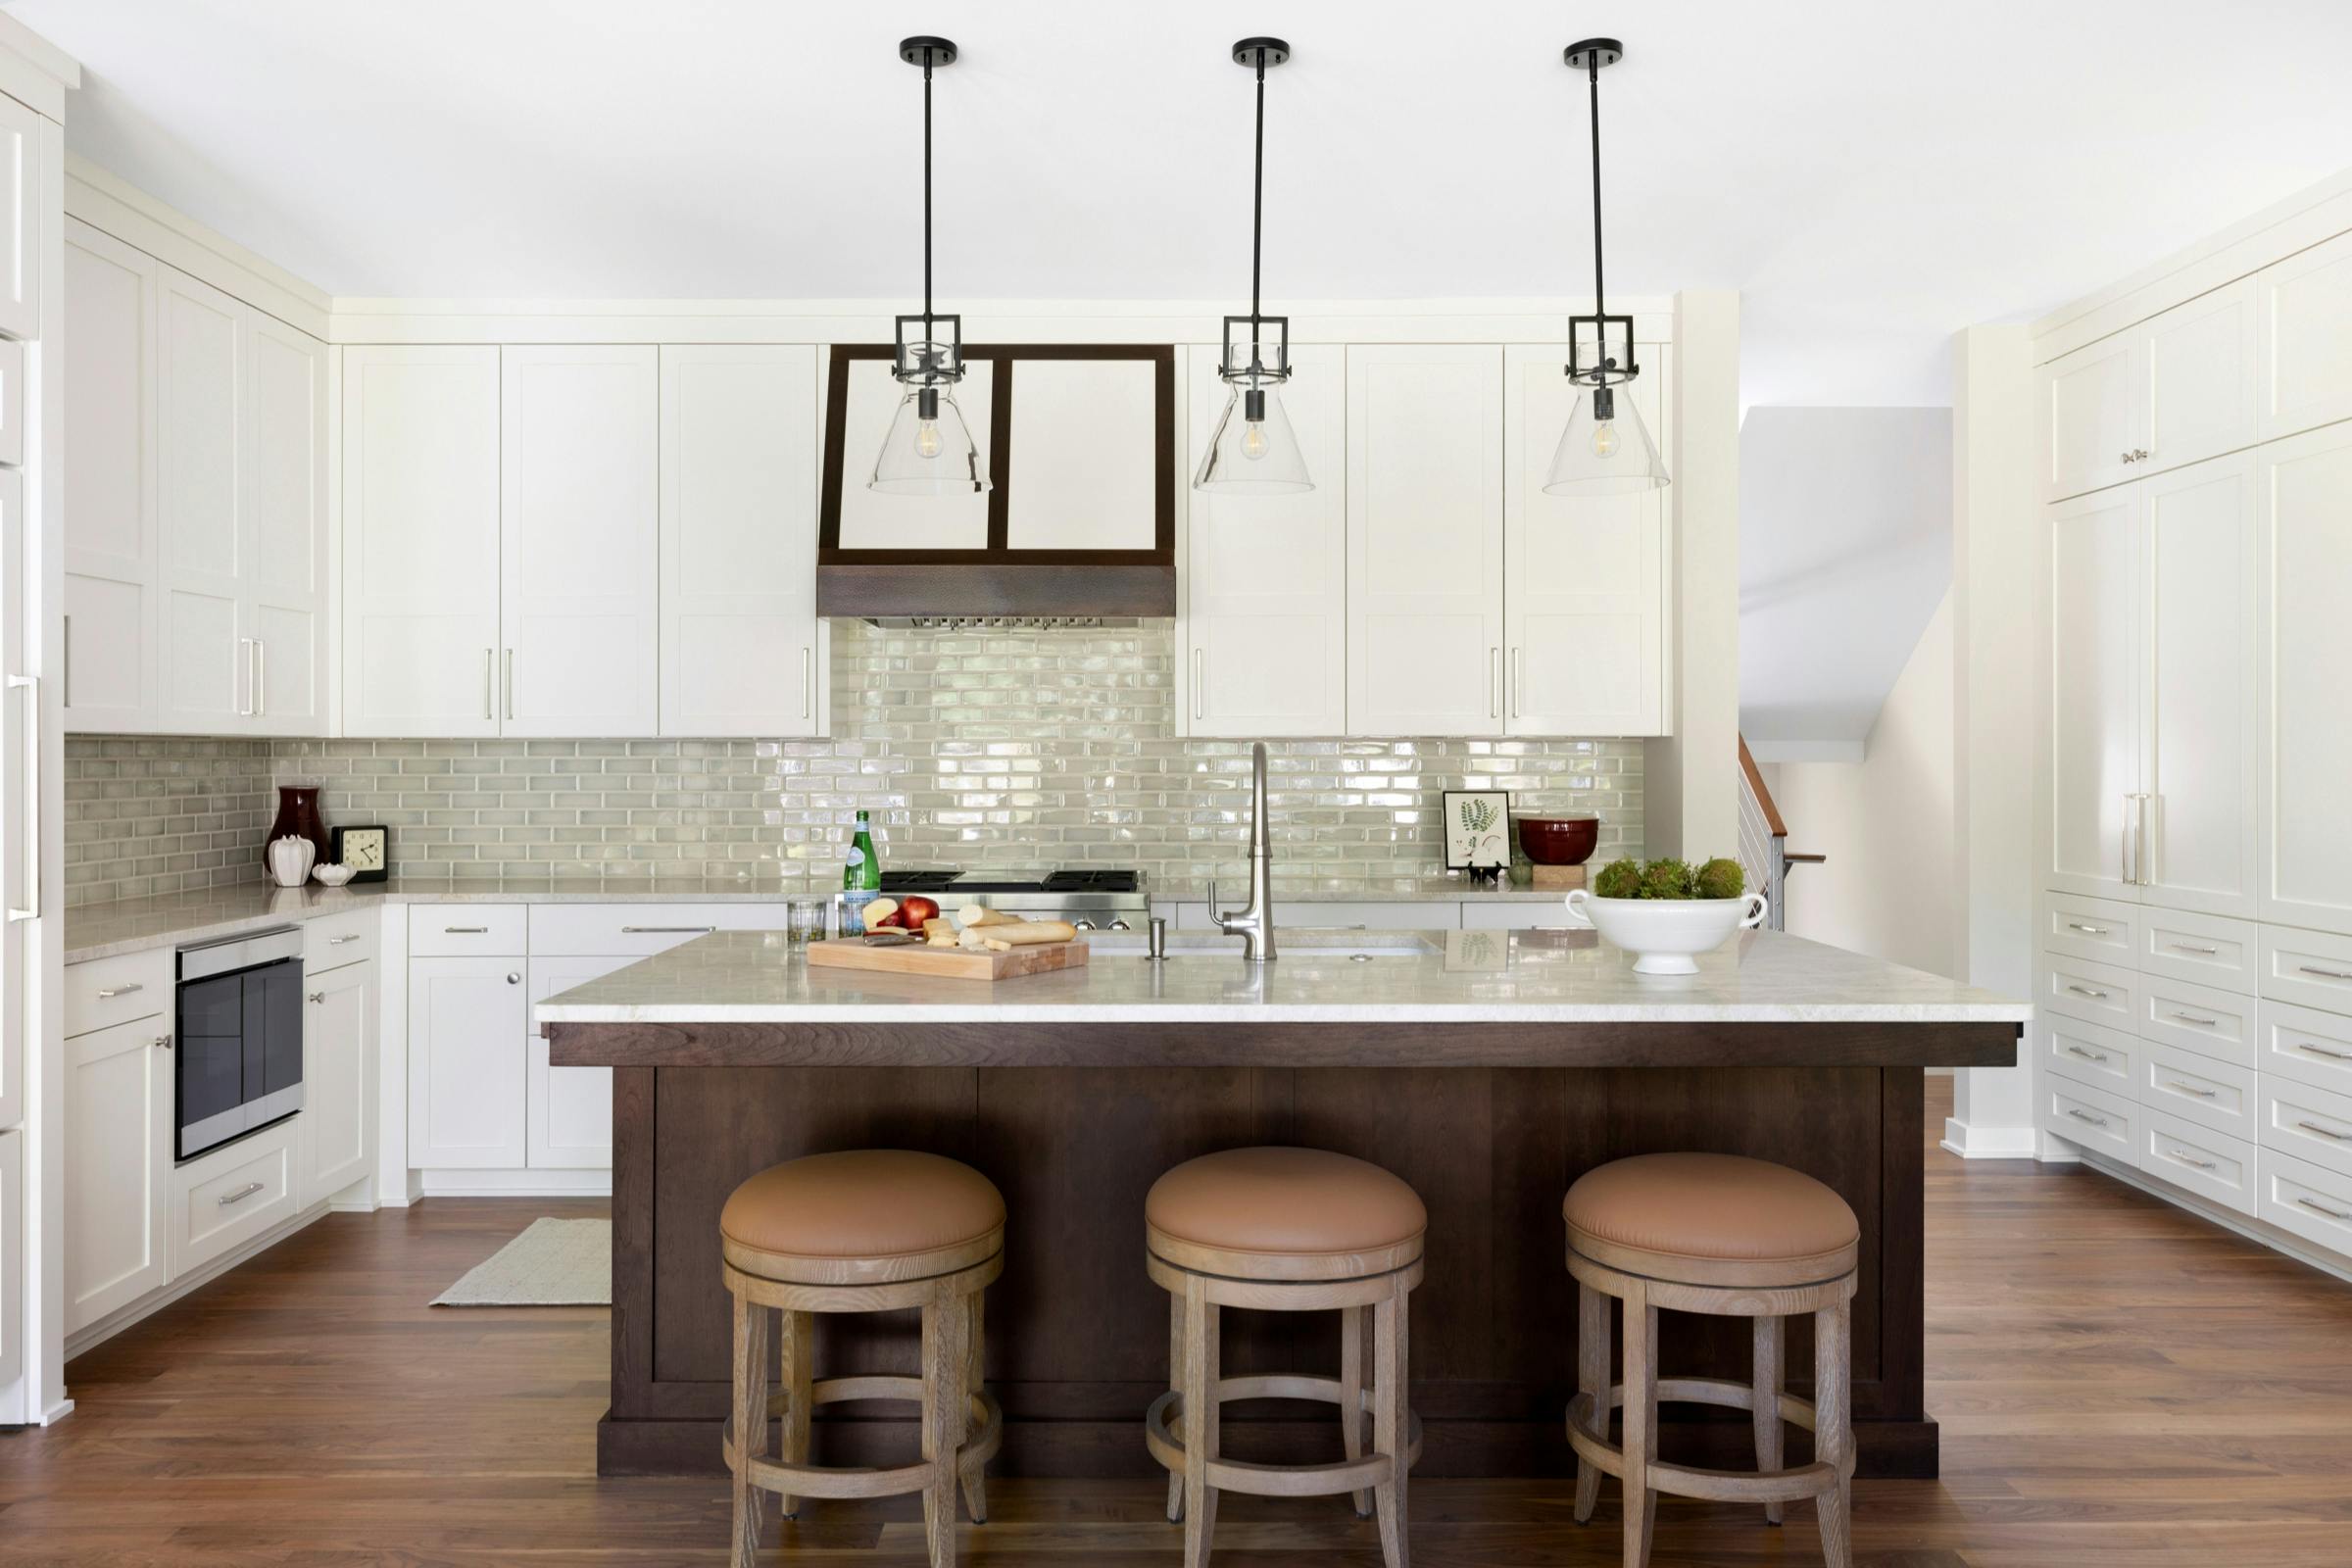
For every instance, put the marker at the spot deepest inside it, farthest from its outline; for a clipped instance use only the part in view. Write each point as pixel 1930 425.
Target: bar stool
pixel 1285 1230
pixel 864 1231
pixel 1732 1237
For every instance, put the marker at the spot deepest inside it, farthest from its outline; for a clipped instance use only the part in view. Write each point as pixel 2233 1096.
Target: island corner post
pixel 1073 1121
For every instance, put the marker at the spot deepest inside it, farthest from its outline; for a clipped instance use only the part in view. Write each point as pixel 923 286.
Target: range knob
pixel 1083 925
pixel 1120 925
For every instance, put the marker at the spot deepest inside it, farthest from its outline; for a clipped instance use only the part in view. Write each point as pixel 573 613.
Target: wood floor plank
pixel 2120 1385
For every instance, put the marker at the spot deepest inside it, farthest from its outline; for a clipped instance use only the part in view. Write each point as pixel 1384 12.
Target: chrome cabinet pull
pixel 1494 682
pixel 2190 1017
pixel 807 682
pixel 467 930
pixel 244 656
pixel 2190 1089
pixel 30 685
pixel 2186 1159
pixel 2323 1132
pixel 2139 839
pixel 162 1041
pixel 261 678
pixel 1518 678
pixel 666 930
pixel 2084 1115
pixel 1199 677
pixel 510 683
pixel 2094 930
pixel 489 677
pixel 240 1195
pixel 336 942
pixel 2086 991
pixel 2323 1050
pixel 66 647
pixel 317 998
pixel 2331 974
pixel 2323 1208
pixel 2086 1056
pixel 112 991
pixel 2190 947
pixel 513 978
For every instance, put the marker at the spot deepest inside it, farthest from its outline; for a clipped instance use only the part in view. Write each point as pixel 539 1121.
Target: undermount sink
pixel 1300 946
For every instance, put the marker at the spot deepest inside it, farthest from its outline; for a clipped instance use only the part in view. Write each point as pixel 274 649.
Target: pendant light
pixel 929 450
pixel 1605 450
pixel 1254 452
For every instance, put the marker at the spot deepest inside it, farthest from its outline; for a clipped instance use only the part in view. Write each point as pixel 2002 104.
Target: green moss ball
pixel 1720 879
pixel 1666 879
pixel 1619 879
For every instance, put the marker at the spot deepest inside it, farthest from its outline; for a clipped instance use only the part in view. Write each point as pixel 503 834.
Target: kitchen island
pixel 1489 1069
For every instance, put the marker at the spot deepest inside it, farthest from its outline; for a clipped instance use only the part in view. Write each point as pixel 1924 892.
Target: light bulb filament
pixel 1253 439
pixel 1605 439
pixel 926 438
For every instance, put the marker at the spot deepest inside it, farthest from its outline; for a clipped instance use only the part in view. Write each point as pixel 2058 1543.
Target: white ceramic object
pixel 1666 934
pixel 331 875
pixel 290 861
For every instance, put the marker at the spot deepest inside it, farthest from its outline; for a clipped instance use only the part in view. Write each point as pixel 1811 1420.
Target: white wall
pixel 1886 823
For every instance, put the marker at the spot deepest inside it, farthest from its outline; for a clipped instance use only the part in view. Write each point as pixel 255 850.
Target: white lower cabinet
pixel 118 1149
pixel 2208 1163
pixel 2306 1200
pixel 466 1022
pixel 225 1199
pixel 2091 1118
pixel 568 1121
pixel 11 1256
pixel 338 1101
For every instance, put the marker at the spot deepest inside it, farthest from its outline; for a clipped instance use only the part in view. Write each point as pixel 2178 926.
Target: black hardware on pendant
pixel 920 364
pixel 1588 56
pixel 1257 54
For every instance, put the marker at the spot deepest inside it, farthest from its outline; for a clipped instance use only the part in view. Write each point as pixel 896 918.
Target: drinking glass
pixel 804 921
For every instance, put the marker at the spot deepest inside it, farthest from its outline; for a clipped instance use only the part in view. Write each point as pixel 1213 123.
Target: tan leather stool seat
pixel 1693 1218
pixel 863 1215
pixel 1278 1214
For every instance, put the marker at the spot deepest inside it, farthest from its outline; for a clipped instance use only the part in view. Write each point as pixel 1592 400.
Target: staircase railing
pixel 1764 842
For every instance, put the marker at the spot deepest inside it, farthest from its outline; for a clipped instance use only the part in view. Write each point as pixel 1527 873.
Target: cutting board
pixel 948 964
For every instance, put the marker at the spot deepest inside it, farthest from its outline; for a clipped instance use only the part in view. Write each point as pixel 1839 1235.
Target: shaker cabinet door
pixel 2303 584
pixel 2091 813
pixel 1425 648
pixel 117 1151
pixel 338 1103
pixel 2093 415
pixel 1265 628
pixel 2304 308
pixel 110 612
pixel 467 1018
pixel 2200 378
pixel 206 676
pixel 281 506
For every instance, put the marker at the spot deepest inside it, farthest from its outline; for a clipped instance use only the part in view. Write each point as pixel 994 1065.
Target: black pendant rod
pixel 927 195
pixel 1600 306
pixel 1257 203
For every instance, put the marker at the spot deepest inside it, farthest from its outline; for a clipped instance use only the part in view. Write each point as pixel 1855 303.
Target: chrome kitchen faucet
pixel 1255 924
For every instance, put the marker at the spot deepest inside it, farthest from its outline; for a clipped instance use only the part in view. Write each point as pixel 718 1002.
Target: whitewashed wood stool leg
pixel 1355 1350
pixel 750 1423
pixel 975 1379
pixel 1592 1380
pixel 1833 1428
pixel 797 1362
pixel 1201 1374
pixel 1390 1336
pixel 1176 1385
pixel 1640 1421
pixel 943 1421
pixel 1770 1350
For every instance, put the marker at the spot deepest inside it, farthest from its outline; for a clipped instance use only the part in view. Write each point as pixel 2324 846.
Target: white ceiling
pixel 1871 176
pixel 1846 547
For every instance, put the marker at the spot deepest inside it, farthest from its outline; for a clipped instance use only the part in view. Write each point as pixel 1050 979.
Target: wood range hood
pixel 1079 523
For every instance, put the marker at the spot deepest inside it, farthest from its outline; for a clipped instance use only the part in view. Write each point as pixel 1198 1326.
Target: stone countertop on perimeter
pixel 753 977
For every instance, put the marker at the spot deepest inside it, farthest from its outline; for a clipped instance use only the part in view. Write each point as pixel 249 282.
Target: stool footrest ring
pixel 1588 1435
pixel 987 1435
pixel 1164 1435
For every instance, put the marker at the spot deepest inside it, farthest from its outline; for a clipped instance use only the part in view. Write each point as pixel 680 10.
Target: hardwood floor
pixel 2119 1383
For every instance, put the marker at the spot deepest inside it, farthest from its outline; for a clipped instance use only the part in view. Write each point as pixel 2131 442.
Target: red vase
pixel 296 817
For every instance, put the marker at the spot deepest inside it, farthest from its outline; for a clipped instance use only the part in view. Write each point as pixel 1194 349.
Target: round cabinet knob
pixel 1120 925
pixel 317 996
pixel 162 1041
pixel 513 979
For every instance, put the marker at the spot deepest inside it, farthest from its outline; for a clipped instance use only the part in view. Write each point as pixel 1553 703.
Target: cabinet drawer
pixel 2309 1200
pixel 2305 1045
pixel 2194 1088
pixel 1370 915
pixel 2089 1053
pixel 2098 929
pixel 2204 1162
pixel 1515 915
pixel 2095 993
pixel 2307 968
pixel 106 991
pixel 2206 949
pixel 332 940
pixel 2311 1124
pixel 2199 1018
pixel 638 930
pixel 460 930
pixel 2091 1118
pixel 225 1200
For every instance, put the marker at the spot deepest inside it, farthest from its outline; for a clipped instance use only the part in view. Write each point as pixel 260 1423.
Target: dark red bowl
pixel 1560 840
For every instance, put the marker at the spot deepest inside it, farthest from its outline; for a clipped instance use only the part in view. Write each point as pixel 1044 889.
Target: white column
pixel 1995 638
pixel 1691 780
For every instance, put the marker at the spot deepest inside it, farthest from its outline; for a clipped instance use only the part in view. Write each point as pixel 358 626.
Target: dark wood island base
pixel 1488 1123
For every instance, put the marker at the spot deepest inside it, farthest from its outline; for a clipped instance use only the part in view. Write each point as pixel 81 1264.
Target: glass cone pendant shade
pixel 1605 451
pixel 929 450
pixel 1253 456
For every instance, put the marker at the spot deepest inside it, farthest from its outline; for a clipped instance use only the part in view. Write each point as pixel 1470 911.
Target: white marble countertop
pixel 1233 892
pixel 1390 977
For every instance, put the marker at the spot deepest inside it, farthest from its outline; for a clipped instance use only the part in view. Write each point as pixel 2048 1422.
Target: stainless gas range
pixel 1090 900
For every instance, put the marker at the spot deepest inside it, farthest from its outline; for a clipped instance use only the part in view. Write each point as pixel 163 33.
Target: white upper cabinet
pixel 2176 389
pixel 206 683
pixel 2306 331
pixel 109 656
pixel 2197 665
pixel 741 651
pixel 20 221
pixel 421 541
pixel 281 497
pixel 580 531
pixel 2304 751
pixel 1265 628
pixel 1584 606
pixel 1425 540
pixel 2091 812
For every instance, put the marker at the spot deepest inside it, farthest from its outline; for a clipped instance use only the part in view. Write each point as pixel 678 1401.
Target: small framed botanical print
pixel 1478 830
pixel 368 850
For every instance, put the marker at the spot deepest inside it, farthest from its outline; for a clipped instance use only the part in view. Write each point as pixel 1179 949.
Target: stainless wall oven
pixel 239 1038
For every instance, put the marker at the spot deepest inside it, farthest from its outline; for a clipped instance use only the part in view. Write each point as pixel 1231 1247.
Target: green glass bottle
pixel 863 872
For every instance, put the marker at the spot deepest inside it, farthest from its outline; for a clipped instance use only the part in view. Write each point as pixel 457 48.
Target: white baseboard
pixel 517 1183
pixel 57 1413
pixel 1975 1141
pixel 123 1317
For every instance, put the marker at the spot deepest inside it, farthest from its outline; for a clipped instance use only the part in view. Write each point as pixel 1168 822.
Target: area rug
pixel 556 1263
